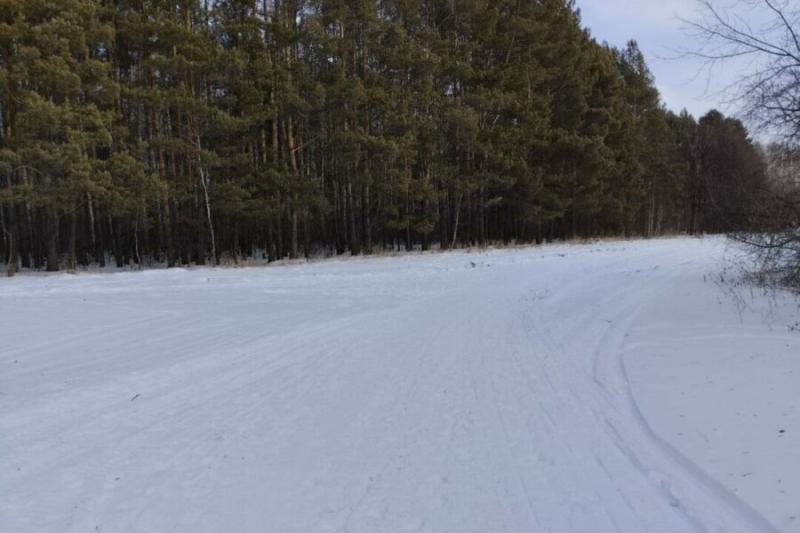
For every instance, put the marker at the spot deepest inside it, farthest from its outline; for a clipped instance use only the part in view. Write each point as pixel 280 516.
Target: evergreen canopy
pixel 186 131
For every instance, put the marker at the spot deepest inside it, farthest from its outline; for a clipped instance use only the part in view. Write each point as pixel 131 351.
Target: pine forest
pixel 195 132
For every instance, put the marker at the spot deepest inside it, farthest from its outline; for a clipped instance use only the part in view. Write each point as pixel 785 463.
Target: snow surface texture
pixel 595 388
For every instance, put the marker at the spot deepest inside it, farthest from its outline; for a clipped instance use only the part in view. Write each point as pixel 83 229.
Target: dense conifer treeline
pixel 188 131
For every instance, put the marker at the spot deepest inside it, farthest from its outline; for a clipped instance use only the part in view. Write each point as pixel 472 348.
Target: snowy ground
pixel 595 388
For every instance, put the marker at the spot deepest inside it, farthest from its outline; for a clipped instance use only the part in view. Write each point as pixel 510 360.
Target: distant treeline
pixel 190 131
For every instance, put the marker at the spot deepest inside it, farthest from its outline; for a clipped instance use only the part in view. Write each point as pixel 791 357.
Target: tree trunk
pixel 207 202
pixel 455 221
pixel 72 261
pixel 13 261
pixel 367 222
pixel 354 247
pixel 52 241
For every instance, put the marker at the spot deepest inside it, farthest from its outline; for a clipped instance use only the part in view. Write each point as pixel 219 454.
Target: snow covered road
pixel 532 390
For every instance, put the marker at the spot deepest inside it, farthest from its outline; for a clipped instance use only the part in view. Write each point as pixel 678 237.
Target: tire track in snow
pixel 611 348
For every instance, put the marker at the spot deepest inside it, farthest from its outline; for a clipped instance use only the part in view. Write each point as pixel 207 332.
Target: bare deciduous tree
pixel 767 34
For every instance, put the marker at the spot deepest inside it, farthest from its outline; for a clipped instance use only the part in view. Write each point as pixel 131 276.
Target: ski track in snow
pixel 459 392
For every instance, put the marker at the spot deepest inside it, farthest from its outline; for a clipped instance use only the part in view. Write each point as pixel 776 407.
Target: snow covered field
pixel 594 388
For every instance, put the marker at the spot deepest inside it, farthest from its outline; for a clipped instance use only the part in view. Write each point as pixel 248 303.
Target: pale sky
pixel 662 36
